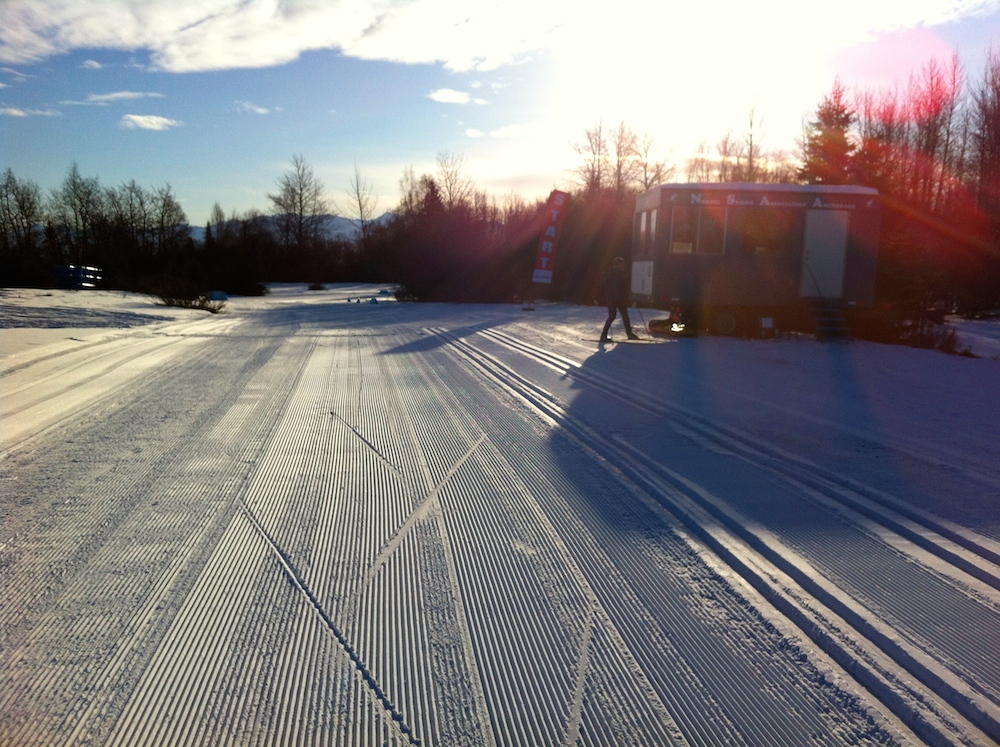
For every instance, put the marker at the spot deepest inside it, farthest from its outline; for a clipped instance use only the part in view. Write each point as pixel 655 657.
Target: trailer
pixel 748 258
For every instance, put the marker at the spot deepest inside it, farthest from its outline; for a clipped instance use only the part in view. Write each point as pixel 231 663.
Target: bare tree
pixel 750 154
pixel 9 219
pixel 700 167
pixel 777 167
pixel 618 160
pixel 512 206
pixel 130 207
pixel 363 202
pixel 75 208
pixel 299 206
pixel 954 133
pixel 409 192
pixel 985 135
pixel 20 214
pixel 933 101
pixel 593 172
pixel 624 153
pixel 456 188
pixel 881 159
pixel 224 229
pixel 651 171
pixel 171 226
pixel 729 157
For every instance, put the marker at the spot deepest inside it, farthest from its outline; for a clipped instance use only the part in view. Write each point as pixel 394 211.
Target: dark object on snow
pixel 77 277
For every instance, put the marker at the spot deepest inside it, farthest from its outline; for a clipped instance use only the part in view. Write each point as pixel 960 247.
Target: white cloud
pixel 18 76
pixel 91 65
pixel 103 99
pixel 13 111
pixel 449 96
pixel 474 133
pixel 251 108
pixel 147 122
pixel 191 35
pixel 684 72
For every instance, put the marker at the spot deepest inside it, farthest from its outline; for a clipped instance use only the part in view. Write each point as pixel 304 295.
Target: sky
pixel 215 97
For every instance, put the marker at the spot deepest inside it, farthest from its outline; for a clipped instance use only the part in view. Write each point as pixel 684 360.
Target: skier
pixel 616 294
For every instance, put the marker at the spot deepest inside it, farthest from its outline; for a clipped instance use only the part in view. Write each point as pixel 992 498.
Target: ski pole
pixel 643 320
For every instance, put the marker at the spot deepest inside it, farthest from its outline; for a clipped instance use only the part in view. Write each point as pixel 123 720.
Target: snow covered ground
pixel 982 337
pixel 319 519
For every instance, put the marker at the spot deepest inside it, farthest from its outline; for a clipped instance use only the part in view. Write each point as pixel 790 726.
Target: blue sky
pixel 214 97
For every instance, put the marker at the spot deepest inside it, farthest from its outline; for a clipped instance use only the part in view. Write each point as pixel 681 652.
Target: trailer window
pixel 764 231
pixel 696 230
pixel 683 230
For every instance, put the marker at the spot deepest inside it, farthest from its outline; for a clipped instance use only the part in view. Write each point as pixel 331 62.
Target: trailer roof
pixel 760 187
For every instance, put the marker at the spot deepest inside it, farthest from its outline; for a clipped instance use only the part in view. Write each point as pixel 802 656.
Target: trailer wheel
pixel 725 323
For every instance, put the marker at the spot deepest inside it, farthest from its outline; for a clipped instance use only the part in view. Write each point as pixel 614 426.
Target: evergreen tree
pixel 827 148
pixel 209 238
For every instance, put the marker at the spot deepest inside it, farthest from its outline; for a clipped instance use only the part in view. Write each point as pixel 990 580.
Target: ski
pixel 613 341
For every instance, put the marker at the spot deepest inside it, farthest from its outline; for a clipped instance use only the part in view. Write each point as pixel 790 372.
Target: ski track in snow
pixel 962 619
pixel 312 522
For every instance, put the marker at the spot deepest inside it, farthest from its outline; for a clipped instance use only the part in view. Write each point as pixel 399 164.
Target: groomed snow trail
pixel 333 523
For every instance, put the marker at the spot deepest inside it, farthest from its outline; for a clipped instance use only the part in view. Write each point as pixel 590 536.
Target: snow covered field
pixel 309 521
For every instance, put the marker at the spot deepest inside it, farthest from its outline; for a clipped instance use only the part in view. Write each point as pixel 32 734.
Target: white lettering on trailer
pixel 764 202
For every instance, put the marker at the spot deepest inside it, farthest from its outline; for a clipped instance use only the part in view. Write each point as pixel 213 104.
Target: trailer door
pixel 642 278
pixel 823 254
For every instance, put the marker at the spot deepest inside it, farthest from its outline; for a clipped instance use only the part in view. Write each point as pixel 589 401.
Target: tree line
pixel 125 228
pixel 932 149
pixel 933 152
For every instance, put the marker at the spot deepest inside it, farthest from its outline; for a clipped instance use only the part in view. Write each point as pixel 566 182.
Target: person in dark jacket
pixel 616 293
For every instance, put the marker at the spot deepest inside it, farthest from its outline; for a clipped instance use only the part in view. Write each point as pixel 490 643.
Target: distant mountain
pixel 334 227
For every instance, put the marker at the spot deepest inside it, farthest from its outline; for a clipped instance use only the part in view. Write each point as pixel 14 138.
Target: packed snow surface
pixel 330 518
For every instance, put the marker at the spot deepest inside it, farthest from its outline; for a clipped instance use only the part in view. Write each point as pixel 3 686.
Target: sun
pixel 688 74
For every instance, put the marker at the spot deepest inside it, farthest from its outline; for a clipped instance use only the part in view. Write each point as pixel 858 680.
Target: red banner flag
pixel 555 214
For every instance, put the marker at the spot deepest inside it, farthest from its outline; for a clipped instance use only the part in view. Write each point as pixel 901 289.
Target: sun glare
pixel 689 74
pixel 680 86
